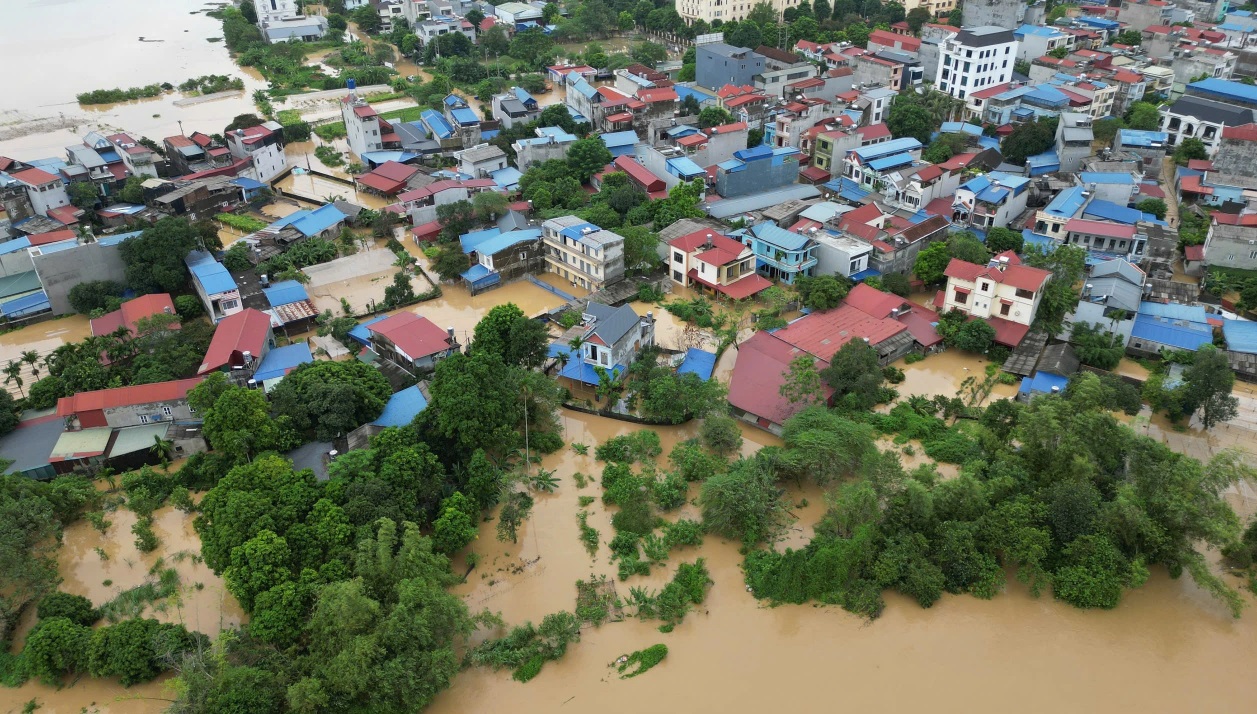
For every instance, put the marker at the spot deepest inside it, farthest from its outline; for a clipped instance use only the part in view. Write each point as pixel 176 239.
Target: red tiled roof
pixel 874 131
pixel 395 171
pixel 417 336
pixel 727 128
pixel 650 96
pixel 733 90
pixel 1022 277
pixel 179 141
pixel 939 207
pixel 862 215
pixel 638 173
pixel 891 39
pixel 439 186
pixel 722 254
pixel 929 173
pixel 1200 165
pixel 873 301
pixel 381 184
pixel 814 174
pixel 808 83
pixel 821 334
pixel 759 372
pixel 1013 258
pixel 622 116
pixel 991 91
pixel 5 163
pixel 34 177
pixel 68 215
pixel 120 172
pixel 1235 219
pixel 364 112
pixel 1194 252
pixel 244 331
pixel 840 72
pixel 740 289
pixel 132 311
pixel 744 99
pixel 426 231
pixel 201 140
pixel 1151 190
pixel 488 22
pixel 691 242
pixel 1127 76
pixel 692 140
pixel 1243 132
pixel 1007 332
pixel 125 396
pixel 920 323
pixel 1191 184
pixel 1099 228
pixel 52 237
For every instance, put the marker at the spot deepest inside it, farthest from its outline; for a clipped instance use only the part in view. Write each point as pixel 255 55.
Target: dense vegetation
pixel 111 96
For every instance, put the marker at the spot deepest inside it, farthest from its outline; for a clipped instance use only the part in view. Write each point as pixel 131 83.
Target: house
pixel 715 262
pixel 278 362
pixel 758 374
pixel 718 64
pixel 1230 245
pixel 462 119
pixel 264 146
pixel 757 169
pixel 612 340
pixel 620 143
pixel 1147 146
pixel 1105 237
pixel 480 161
pixel 364 128
pixel 421 203
pixel 990 200
pixel 128 406
pixel 240 341
pixel 1051 375
pixel 412 342
pixel 1035 41
pixel 976 58
pixel 1005 293
pixel 779 253
pixel 191 154
pixel 1204 119
pixel 1169 326
pixel 138 158
pixel 129 315
pixel 516 106
pixel 322 222
pixel 1111 296
pixel 283 21
pixel 583 253
pixel 638 175
pixel 517 15
pixel 498 256
pixel 214 285
pixel 551 142
pixel 1241 347
pixel 1073 140
pixel 388 179
pixel 44 190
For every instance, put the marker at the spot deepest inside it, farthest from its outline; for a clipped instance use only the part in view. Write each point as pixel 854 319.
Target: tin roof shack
pixel 197 198
pixel 1168 326
pixel 1241 348
pixel 412 342
pixel 128 406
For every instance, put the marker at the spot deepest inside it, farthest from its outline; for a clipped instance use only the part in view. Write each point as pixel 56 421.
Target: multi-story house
pixel 1231 246
pixel 264 146
pixel 1106 237
pixel 463 119
pixel 480 161
pixel 706 259
pixel 515 107
pixel 974 59
pixel 128 406
pixel 780 254
pixel 832 146
pixel 550 143
pixel 992 200
pixel 1004 293
pixel 283 21
pixel 1036 41
pixel 714 11
pixel 1073 140
pixel 498 256
pixel 44 190
pixel 612 340
pixel 363 128
pixel 718 64
pixel 583 253
pixel 757 169
pixel 1204 119
pixel 864 164
pixel 139 159
pixel 214 285
pixel 412 342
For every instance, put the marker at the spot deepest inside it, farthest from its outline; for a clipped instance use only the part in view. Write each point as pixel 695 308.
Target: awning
pixel 622 116
pixel 962 291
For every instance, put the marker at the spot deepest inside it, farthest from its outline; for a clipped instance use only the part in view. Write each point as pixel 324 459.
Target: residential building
pixel 1073 140
pixel 1110 297
pixel 518 15
pixel 999 13
pixel 325 221
pixel 364 129
pixel 718 64
pixel 1105 237
pixel 1169 326
pixel 515 107
pixel 886 40
pixel 976 58
pixel 583 253
pixel 412 342
pixel 832 145
pixel 389 178
pixel 1146 146
pixel 214 285
pixel 128 316
pixel 710 11
pixel 241 340
pixel 780 254
pixel 278 362
pixel 781 69
pixel 192 154
pixel 463 120
pixel 264 146
pixel 612 340
pixel 991 200
pixel 1204 119
pixel 429 30
pixel 869 68
pixel 1050 221
pixel 1231 246
pixel 839 254
pixel 707 259
pixel 480 161
pixel 44 190
pixel 550 143
pixel 862 165
pixel 758 169
pixel 1035 41
pixel 1005 293
pixel 421 203
pixel 1139 14
pixel 498 256
pixel 128 406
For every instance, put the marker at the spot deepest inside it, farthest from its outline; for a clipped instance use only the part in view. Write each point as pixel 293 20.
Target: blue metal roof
pixel 579 370
pixel 698 362
pixel 887 148
pixel 493 244
pixel 1067 203
pixel 847 189
pixel 773 235
pixel 1225 89
pixel 1106 177
pixel 865 274
pixel 1174 311
pixel 15 245
pixel 281 360
pixel 117 238
pixel 574 232
pixel 285 292
pixel 247 183
pixel 1241 335
pixel 471 241
pixel 320 219
pixel 584 88
pixel 210 273
pixel 1140 137
pixel 464 116
pixel 1042 383
pixel 888 162
pixel 685 167
pixel 361 334
pixel 959 127
pixel 487 134
pixel 403 407
pixel 453 100
pixel 555 132
pixel 1111 211
pixel 26 305
pixel 507 177
pixel 436 123
pixel 1179 334
pixel 683 92
pixel 480 276
pixel 380 157
pixel 1037 30
pixel 619 138
pixel 523 96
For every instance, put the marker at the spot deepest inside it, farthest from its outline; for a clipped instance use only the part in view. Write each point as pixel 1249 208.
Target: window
pixel 143 418
pixel 961 298
pixel 1004 308
pixel 167 411
pixel 986 287
pixel 1025 294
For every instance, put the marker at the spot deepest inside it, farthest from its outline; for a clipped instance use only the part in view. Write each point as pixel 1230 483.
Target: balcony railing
pixel 787 265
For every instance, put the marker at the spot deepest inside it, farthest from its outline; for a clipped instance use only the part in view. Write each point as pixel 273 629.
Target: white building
pixel 362 123
pixel 1034 41
pixel 583 253
pixel 481 160
pixel 1204 119
pixel 976 58
pixel 282 21
pixel 1005 289
pixel 138 158
pixel 724 10
pixel 264 145
pixel 44 190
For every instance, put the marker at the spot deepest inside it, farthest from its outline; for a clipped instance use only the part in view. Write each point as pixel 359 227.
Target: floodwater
pixel 735 654
pixel 307 184
pixel 943 374
pixel 97 45
pixel 43 338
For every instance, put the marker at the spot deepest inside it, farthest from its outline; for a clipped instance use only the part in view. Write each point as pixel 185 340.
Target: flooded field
pixel 101 45
pixel 41 338
pixel 324 189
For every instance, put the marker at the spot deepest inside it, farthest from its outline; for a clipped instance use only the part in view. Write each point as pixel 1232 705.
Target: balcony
pixel 785 265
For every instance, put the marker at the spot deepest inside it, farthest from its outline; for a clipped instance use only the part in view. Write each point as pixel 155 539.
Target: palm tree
pixel 31 357
pixel 162 448
pixel 544 481
pixel 13 373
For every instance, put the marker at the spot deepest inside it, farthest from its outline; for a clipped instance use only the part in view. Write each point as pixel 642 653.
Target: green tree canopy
pixel 331 398
pixel 154 259
pixel 506 332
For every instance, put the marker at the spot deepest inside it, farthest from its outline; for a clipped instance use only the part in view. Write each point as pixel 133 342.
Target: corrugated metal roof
pixel 403 407
pixel 1179 334
pixel 137 438
pixel 82 444
pixel 285 292
pixel 1241 335
pixel 210 273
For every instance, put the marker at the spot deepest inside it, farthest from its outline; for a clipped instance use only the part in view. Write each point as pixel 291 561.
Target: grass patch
pixel 248 224
pixel 641 661
pixel 336 129
pixel 130 603
pixel 588 534
pixel 596 601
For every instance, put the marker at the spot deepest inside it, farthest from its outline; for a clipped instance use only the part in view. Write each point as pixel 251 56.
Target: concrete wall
pixel 61 271
pixel 1236 157
pixel 1093 312
pixel 757 178
pixel 1001 13
pixel 16 263
pixel 130 415
pixel 715 71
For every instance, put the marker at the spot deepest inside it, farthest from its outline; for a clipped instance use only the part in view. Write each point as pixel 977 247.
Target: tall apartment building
pixel 264 144
pixel 582 253
pixel 976 58
pixel 718 64
pixel 725 10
